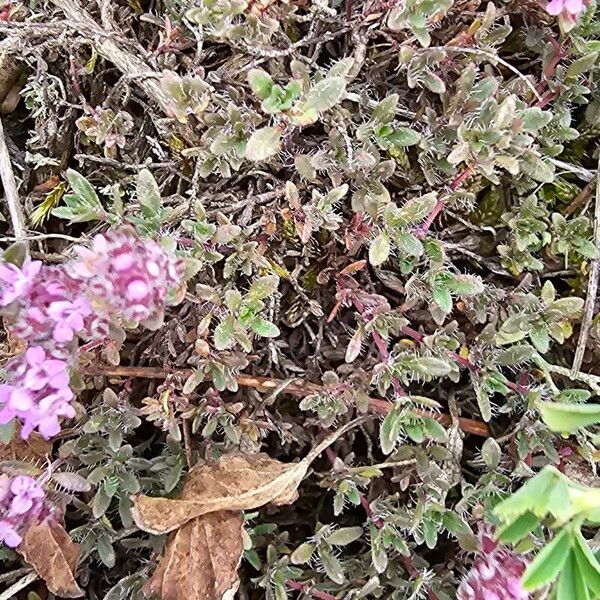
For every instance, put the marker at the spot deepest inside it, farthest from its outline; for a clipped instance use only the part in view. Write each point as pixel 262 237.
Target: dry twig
pixel 298 387
pixel 11 194
pixel 592 288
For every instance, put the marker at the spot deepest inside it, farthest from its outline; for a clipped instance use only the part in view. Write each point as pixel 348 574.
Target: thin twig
pixel 298 387
pixel 11 194
pixel 14 574
pixel 12 591
pixel 494 58
pixel 582 197
pixel 592 288
pixel 386 465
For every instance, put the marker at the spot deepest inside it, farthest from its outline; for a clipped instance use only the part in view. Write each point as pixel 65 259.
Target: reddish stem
pixel 380 344
pixel 309 590
pixel 439 205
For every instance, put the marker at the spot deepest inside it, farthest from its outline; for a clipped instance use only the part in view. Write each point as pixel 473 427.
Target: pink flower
pixel 9 535
pixel 41 371
pixel 37 393
pixel 570 7
pixel 25 491
pixel 22 503
pixel 16 283
pixel 129 275
pixel 496 573
pixel 69 318
pixel 120 279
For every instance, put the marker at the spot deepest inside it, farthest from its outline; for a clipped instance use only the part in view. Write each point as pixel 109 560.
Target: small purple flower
pixel 25 491
pixel 571 7
pixel 8 534
pixel 42 371
pixel 22 502
pixel 122 278
pixel 16 283
pixel 52 408
pixel 69 318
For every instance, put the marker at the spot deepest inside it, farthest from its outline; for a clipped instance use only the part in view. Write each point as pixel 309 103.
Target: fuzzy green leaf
pixel 379 250
pixel 263 144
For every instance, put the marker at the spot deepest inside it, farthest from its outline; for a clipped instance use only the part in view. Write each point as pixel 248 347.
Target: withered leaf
pixel 49 549
pixel 236 482
pixel 31 449
pixel 201 560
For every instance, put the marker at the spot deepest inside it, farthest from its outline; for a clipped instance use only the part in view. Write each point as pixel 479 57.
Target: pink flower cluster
pixel 41 394
pixel 120 282
pixel 496 573
pixel 22 502
pixel 131 278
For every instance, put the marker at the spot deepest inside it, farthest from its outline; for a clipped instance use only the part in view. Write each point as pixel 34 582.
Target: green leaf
pixel 465 285
pixel 325 95
pixel 514 532
pixel 355 345
pixel 514 355
pixel 433 429
pixel 15 254
pixel 416 209
pixel 390 429
pixel 570 583
pixel 491 453
pixel 83 188
pixel 106 552
pixel 587 563
pixel 260 82
pixel 379 250
pixel 82 206
pixel 101 502
pixel 534 118
pixel 566 307
pixel 6 432
pixel 263 144
pixel 404 137
pixel 264 328
pixel 263 287
pixel 303 553
pixel 434 83
pixel 568 418
pixel 573 395
pixel 548 292
pixel 582 65
pixel 540 338
pixel 483 402
pixel 385 111
pixel 331 565
pixel 223 336
pixel 345 536
pixel 532 496
pixel 547 564
pixel 148 194
pixel 432 366
pixel 442 297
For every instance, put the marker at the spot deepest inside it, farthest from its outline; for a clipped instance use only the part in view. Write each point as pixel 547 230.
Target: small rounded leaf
pixel 263 144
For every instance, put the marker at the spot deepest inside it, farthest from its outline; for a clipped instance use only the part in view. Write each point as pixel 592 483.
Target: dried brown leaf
pixel 201 560
pixel 31 449
pixel 49 549
pixel 236 482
